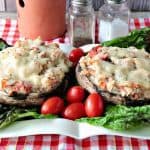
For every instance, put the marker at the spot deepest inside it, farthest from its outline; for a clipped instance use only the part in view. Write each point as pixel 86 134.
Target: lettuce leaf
pixel 137 38
pixel 122 118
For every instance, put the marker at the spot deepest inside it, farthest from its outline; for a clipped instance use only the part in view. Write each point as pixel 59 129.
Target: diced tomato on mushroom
pixel 17 86
pixel 136 96
pixel 103 85
pixel 135 85
pixel 94 51
pixel 22 87
pixel 104 57
pixel 3 83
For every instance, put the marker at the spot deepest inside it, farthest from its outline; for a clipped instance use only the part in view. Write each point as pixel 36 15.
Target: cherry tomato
pixel 53 105
pixel 94 105
pixel 75 94
pixel 74 111
pixel 75 55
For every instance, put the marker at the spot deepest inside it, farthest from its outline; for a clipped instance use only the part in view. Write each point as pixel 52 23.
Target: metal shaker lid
pixel 81 2
pixel 116 1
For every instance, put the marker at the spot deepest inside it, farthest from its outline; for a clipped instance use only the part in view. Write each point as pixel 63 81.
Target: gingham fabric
pixel 59 142
pixel 9 32
pixel 9 29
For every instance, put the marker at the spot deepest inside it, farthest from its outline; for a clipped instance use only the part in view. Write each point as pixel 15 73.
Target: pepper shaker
pixel 81 23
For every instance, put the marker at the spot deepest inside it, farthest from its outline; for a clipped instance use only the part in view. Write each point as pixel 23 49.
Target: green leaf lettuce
pixel 122 118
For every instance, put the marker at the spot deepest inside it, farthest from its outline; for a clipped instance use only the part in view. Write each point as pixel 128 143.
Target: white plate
pixel 66 127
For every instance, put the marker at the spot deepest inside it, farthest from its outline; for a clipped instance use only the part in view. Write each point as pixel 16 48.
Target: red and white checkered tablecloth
pixel 9 32
pixel 9 29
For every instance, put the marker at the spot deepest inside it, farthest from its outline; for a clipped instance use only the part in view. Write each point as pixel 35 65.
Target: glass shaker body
pixel 113 20
pixel 81 25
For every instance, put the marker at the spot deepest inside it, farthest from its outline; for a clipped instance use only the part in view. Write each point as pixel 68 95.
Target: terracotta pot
pixel 44 18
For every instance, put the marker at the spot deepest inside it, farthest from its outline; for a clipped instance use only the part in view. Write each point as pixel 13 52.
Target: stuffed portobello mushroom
pixel 120 75
pixel 30 71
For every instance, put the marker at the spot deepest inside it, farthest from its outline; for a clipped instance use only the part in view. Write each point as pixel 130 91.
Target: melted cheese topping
pixel 126 71
pixel 42 65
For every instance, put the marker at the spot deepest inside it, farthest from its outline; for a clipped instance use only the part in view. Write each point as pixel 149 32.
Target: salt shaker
pixel 81 24
pixel 113 20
